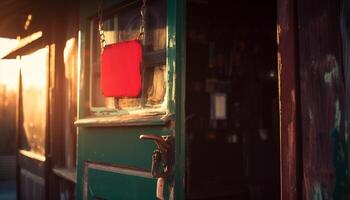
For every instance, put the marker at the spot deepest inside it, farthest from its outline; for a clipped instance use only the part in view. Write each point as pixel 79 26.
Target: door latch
pixel 163 155
pixel 162 160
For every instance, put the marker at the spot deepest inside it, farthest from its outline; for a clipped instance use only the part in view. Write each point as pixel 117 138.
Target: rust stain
pixel 279 71
pixel 279 63
pixel 291 123
pixel 279 33
pixel 292 140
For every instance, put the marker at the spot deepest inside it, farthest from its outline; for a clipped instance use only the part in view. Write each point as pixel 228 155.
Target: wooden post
pixel 288 99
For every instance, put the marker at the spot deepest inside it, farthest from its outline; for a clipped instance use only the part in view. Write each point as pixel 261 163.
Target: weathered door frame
pixel 177 12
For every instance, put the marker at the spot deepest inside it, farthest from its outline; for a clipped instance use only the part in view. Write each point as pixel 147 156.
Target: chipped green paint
pixel 320 192
pixel 317 194
pixel 177 39
pixel 334 73
pixel 328 76
pixel 340 159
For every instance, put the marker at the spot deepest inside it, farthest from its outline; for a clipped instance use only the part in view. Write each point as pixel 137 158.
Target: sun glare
pixel 33 69
pixel 8 67
pixel 6 45
pixel 9 74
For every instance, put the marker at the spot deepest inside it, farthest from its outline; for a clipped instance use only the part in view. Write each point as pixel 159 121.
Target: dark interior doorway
pixel 232 123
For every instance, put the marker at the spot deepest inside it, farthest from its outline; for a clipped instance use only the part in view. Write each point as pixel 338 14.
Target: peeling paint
pixel 320 192
pixel 279 31
pixel 328 76
pixel 174 81
pixel 291 124
pixel 334 73
pixel 279 71
pixel 317 194
pixel 279 62
pixel 172 40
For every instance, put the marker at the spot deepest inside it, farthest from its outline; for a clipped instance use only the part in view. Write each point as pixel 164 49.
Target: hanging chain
pixel 143 21
pixel 100 25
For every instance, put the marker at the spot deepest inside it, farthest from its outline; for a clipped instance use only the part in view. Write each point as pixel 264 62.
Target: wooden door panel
pixel 106 153
pixel 124 186
pixel 119 145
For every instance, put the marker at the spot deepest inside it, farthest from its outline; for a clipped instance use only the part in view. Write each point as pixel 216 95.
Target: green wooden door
pixel 113 163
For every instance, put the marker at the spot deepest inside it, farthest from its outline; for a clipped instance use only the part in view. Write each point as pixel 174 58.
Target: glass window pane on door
pixel 123 24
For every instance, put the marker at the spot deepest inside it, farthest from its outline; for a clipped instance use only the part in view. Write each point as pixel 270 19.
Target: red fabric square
pixel 121 69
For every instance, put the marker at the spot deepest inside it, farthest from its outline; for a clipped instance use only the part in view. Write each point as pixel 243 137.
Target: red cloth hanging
pixel 121 69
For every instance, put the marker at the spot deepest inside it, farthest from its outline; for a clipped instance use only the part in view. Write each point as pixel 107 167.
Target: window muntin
pixel 122 25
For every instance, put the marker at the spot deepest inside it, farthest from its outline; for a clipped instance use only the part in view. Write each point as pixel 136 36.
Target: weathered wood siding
pixel 324 95
pixel 287 84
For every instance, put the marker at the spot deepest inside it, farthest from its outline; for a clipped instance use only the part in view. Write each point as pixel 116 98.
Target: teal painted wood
pixel 101 183
pixel 177 55
pixel 119 144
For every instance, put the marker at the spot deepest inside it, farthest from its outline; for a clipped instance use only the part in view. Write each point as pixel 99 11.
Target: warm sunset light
pixel 33 69
pixel 68 54
pixel 6 45
pixel 9 74
pixel 8 67
pixel 34 99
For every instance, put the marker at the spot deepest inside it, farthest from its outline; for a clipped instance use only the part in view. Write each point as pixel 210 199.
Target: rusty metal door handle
pixel 159 140
pixel 162 160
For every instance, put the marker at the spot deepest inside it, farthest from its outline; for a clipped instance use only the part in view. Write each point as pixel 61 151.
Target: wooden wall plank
pixel 324 120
